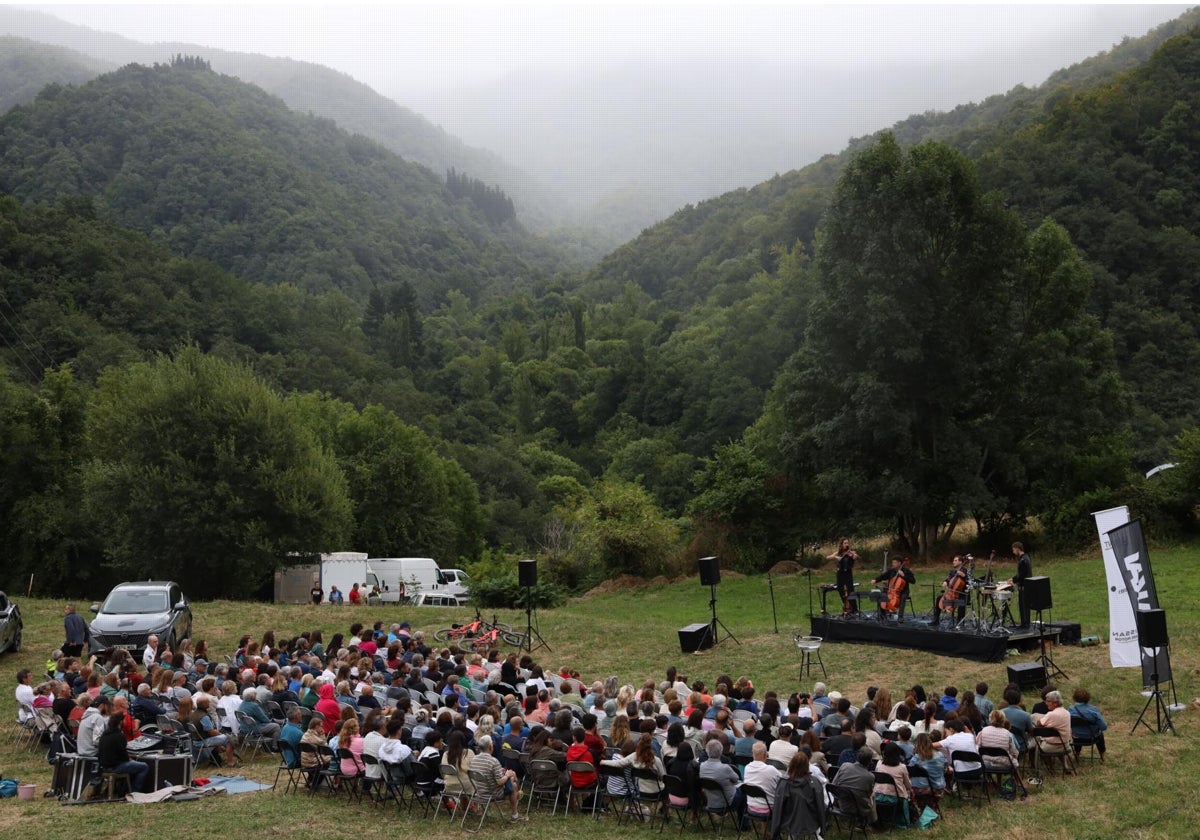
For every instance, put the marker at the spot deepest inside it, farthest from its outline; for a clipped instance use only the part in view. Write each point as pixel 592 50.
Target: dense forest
pixel 234 335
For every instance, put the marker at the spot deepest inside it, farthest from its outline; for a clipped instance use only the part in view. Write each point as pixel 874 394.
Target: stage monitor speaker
pixel 1037 594
pixel 1152 628
pixel 695 637
pixel 710 571
pixel 527 573
pixel 1027 675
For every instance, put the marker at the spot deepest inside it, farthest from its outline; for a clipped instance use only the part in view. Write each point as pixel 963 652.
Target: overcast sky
pixel 410 45
pixel 690 98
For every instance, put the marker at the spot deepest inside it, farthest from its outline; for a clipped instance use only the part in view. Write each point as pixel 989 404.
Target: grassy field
pixel 1143 791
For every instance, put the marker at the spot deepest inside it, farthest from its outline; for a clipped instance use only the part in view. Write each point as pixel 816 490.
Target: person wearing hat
pixel 92 726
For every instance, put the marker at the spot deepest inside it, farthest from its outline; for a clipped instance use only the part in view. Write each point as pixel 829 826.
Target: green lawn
pixel 1143 791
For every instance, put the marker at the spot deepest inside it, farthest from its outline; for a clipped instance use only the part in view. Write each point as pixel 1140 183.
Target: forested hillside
pixel 306 87
pixel 1100 147
pixel 218 169
pixel 26 67
pixel 998 326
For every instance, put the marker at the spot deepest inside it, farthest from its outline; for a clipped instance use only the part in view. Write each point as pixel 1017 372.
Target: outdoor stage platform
pixel 915 632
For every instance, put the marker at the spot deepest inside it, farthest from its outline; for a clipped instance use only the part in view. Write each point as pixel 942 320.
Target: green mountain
pixel 27 66
pixel 305 87
pixel 1088 148
pixel 218 169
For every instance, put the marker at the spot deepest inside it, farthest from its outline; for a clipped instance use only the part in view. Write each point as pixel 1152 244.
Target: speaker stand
pixel 774 616
pixel 1162 714
pixel 531 629
pixel 716 622
pixel 1052 670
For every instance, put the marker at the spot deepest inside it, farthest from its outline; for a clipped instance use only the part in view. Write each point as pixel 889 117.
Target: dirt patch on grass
pixel 786 567
pixel 629 583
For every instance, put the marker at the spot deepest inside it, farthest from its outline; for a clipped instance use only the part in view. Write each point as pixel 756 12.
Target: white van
pixel 412 578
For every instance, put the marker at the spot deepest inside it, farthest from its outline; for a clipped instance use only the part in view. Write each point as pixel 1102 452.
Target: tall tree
pixel 949 360
pixel 200 474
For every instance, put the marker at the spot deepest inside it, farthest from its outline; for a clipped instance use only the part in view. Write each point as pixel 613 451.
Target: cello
pixel 955 586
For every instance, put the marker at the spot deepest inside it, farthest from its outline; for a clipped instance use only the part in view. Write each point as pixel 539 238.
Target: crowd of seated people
pixel 386 693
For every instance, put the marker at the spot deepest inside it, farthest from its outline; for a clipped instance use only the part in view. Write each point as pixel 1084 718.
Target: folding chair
pixel 313 775
pixel 964 783
pixel 1002 766
pixel 716 804
pixel 25 734
pixel 677 802
pixel 1084 734
pixel 583 790
pixel 350 782
pixel 924 795
pixel 845 806
pixel 426 788
pixel 1050 747
pixel 395 780
pixel 447 773
pixel 894 812
pixel 249 734
pixel 200 752
pixel 484 793
pixel 546 784
pixel 648 791
pixel 289 762
pixel 758 817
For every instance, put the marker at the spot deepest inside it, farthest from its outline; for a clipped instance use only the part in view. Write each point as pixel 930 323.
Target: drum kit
pixel 989 608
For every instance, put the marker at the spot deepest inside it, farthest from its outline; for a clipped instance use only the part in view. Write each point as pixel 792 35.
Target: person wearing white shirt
pixel 24 695
pixel 393 750
pixel 759 773
pixel 960 740
pixel 782 749
pixel 150 652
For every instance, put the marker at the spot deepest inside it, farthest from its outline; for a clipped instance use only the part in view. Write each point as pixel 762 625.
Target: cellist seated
pixel 956 591
pixel 898 579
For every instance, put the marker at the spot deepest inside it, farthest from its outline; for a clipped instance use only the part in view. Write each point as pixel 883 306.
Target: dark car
pixel 10 625
pixel 133 612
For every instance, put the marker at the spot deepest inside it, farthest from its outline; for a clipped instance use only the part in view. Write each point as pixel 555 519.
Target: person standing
pixel 1024 572
pixel 845 557
pixel 76 630
pixel 315 593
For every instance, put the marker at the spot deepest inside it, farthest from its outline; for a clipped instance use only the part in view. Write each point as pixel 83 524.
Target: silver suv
pixel 133 612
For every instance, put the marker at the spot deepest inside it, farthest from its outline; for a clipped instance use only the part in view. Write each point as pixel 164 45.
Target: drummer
pixel 898 579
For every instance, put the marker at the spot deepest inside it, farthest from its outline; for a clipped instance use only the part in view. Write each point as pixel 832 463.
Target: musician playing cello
pixel 899 577
pixel 956 589
pixel 845 557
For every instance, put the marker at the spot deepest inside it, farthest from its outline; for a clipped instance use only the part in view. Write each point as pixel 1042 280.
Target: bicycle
pixel 479 634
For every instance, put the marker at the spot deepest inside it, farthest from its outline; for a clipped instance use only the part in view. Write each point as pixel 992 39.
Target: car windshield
pixel 136 601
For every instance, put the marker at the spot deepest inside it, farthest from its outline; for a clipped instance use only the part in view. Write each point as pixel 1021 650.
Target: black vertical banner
pixel 1129 547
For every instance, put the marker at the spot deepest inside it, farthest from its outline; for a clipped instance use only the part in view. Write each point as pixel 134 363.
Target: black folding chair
pixel 966 780
pixel 717 804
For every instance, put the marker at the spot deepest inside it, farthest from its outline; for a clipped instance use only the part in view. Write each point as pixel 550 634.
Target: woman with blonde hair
pixel 620 732
pixel 350 739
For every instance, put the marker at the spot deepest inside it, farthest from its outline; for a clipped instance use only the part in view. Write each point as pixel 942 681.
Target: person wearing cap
pixel 92 725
